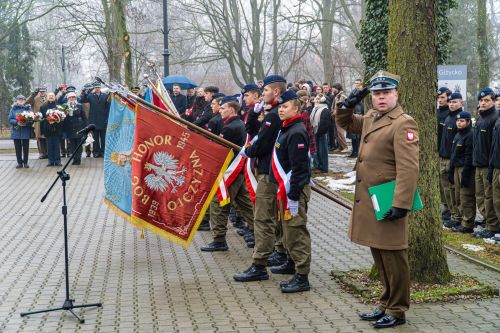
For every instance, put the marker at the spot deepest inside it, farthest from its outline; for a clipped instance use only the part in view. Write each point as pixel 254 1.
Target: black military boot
pixel 287 268
pixel 215 246
pixel 253 273
pixel 243 231
pixel 249 237
pixel 298 283
pixel 276 259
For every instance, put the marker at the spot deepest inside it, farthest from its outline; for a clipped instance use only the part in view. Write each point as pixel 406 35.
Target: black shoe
pixel 58 164
pixel 462 229
pixel 485 234
pixel 76 163
pixel 376 314
pixel 239 224
pixel 353 156
pixel 50 164
pixel 26 166
pixel 243 231
pixel 388 321
pixel 204 226
pixel 100 156
pixel 253 273
pixel 276 259
pixel 287 268
pixel 249 237
pixel 451 223
pixel 19 166
pixel 214 246
pixel 87 154
pixel 297 284
pixel 251 245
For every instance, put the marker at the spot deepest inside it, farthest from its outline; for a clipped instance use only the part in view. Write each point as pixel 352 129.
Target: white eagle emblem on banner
pixel 165 173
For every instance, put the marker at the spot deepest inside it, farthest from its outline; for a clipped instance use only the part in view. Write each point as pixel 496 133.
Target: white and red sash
pixel 232 172
pixel 283 180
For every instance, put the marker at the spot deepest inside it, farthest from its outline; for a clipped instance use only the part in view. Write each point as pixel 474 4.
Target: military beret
pixel 288 95
pixel 383 80
pixel 250 87
pixel 20 97
pixel 227 99
pixel 444 90
pixel 217 95
pixel 464 115
pixel 485 92
pixel 272 79
pixel 455 95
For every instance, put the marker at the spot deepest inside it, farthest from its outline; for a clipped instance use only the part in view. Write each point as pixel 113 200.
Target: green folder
pixel 382 196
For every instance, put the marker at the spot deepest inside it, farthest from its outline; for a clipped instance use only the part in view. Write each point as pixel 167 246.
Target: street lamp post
pixel 166 53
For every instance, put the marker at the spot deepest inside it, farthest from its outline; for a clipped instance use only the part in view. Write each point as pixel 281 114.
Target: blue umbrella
pixel 181 80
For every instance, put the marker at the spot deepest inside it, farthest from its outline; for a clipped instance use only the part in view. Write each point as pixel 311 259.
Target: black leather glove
pixel 451 176
pixel 466 178
pixel 490 175
pixel 357 97
pixel 395 213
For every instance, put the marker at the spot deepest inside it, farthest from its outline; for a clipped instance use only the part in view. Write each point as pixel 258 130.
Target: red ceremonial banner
pixel 175 174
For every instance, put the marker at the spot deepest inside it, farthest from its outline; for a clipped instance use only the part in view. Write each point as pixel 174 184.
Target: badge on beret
pixel 410 136
pixel 300 146
pixel 267 123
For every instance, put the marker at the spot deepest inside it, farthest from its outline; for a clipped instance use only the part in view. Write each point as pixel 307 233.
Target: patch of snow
pixel 472 247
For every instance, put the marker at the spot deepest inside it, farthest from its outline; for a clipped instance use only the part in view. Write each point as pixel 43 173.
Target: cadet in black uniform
pixel 215 124
pixel 448 134
pixel 251 97
pixel 483 136
pixel 442 113
pixel 461 172
pixel 292 157
pixel 234 131
pixel 265 217
pixel 494 171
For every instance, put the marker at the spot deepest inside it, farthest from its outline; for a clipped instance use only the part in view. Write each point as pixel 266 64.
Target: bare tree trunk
pixel 123 39
pixel 327 15
pixel 412 53
pixel 482 45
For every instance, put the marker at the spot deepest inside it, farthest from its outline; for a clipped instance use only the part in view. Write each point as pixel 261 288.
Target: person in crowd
pixel 265 217
pixel 179 100
pixel 497 101
pixel 234 131
pixel 75 121
pixel 207 114
pixel 36 100
pixel 216 123
pixel 98 115
pixel 199 105
pixel 391 147
pixel 442 113
pixel 305 113
pixel 86 110
pixel 291 156
pixel 455 104
pixel 339 131
pixel 52 132
pixel 461 171
pixel 358 109
pixel 20 133
pixel 320 118
pixel 483 138
pixel 251 97
pixel 190 96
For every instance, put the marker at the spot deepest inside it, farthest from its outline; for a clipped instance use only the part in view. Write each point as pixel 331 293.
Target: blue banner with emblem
pixel 118 156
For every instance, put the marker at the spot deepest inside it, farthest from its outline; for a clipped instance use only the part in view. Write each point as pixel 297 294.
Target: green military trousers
pixel 484 198
pixel 448 189
pixel 466 199
pixel 265 219
pixel 296 237
pixel 496 192
pixel 238 194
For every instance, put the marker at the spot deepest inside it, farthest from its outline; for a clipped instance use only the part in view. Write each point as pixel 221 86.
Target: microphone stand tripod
pixel 68 303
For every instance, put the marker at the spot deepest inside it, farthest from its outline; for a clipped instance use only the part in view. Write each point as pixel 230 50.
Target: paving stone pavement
pixel 152 285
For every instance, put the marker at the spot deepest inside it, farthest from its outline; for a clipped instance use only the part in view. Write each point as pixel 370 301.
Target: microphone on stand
pixel 87 129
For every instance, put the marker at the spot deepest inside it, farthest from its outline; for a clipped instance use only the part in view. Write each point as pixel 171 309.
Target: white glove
pixel 258 107
pixel 293 206
pixel 89 140
pixel 242 152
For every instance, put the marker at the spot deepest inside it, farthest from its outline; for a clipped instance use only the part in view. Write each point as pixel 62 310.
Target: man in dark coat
pixel 190 96
pixel 98 115
pixel 179 100
pixel 207 114
pixel 442 113
pixel 74 122
pixel 52 132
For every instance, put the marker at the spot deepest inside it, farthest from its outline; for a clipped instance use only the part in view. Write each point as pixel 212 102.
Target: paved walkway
pixel 152 285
